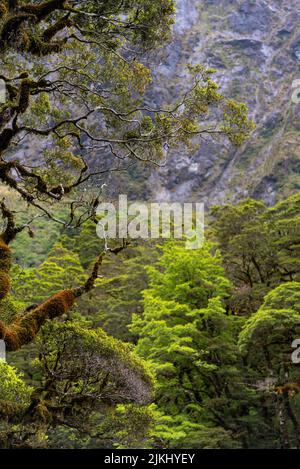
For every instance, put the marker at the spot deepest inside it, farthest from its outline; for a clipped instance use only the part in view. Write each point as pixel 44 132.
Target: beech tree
pixel 75 78
pixel 188 339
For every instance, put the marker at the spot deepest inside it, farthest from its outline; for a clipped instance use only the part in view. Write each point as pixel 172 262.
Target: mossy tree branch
pixel 83 100
pixel 25 327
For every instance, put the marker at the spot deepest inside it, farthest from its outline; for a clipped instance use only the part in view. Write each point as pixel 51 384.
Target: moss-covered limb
pixel 37 46
pixel 6 237
pixel 41 186
pixel 6 114
pixel 5 265
pixel 11 28
pixel 5 177
pixel 24 329
pixel 24 91
pixel 5 252
pixel 27 87
pixel 18 104
pixel 288 389
pixel 19 101
pixel 11 89
pixel 62 23
pixel 6 137
pixel 24 95
pixel 3 9
pixel 42 10
pixel 92 278
pixel 11 230
pixel 89 284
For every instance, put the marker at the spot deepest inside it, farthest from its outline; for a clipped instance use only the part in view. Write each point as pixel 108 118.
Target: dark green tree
pixel 260 248
pixel 266 342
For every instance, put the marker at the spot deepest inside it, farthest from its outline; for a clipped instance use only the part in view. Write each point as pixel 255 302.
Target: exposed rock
pixel 255 45
pixel 251 17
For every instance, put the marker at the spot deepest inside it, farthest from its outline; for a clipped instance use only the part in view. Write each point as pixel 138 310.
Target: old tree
pixel 75 74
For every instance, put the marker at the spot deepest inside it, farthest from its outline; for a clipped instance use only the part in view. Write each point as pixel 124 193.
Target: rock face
pixel 255 46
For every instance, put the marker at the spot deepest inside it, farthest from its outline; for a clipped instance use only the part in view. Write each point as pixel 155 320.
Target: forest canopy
pixel 131 344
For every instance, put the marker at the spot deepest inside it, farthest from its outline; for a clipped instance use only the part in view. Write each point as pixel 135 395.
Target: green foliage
pixel 61 270
pixel 84 242
pixel 13 390
pixel 236 125
pixel 187 277
pixel 221 352
pixel 94 364
pixel 189 341
pixel 76 85
pixel 260 248
pixel 119 293
pixel 31 251
pixel 266 343
pixel 268 334
pixel 180 432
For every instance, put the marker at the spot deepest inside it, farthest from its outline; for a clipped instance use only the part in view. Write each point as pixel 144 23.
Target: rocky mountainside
pixel 255 46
